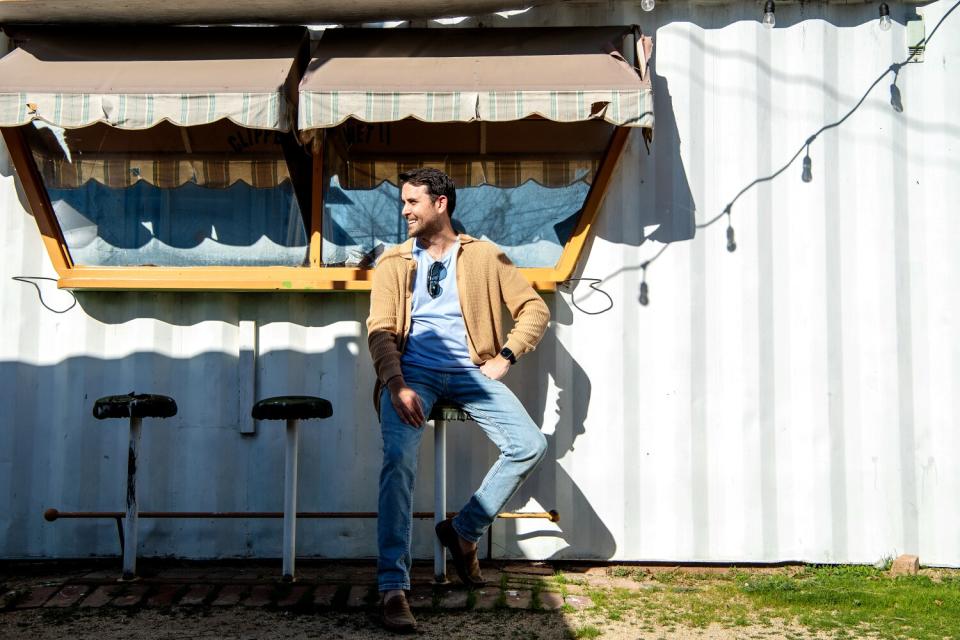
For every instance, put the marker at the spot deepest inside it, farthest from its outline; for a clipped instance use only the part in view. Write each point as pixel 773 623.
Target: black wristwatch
pixel 508 354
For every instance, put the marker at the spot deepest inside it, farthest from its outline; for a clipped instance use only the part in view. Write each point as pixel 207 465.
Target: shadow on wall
pixel 185 309
pixel 61 457
pixel 582 533
pixel 666 199
pixel 674 209
pixel 56 454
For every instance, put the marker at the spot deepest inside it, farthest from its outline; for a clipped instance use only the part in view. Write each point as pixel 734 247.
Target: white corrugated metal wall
pixel 794 400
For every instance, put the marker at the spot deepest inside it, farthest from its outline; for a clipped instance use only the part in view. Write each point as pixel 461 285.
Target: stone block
pixel 486 598
pixel 163 595
pixel 518 598
pixel 454 599
pixel 420 597
pixel 68 595
pixel 229 595
pixel 358 596
pixel 131 597
pixel 905 565
pixel 37 597
pixel 260 596
pixel 294 596
pixel 550 600
pixel 100 596
pixel 579 602
pixel 195 595
pixel 324 594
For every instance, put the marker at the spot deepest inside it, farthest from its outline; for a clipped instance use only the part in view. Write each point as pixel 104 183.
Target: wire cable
pixel 594 284
pixel 894 68
pixel 30 280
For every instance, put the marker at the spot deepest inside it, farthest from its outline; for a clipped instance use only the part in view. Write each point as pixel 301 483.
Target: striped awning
pixel 134 79
pixel 467 75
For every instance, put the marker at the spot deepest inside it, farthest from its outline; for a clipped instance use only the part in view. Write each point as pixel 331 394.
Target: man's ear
pixel 441 203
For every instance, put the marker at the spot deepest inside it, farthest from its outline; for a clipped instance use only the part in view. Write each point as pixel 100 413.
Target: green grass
pixel 834 598
pixel 842 601
pixel 588 631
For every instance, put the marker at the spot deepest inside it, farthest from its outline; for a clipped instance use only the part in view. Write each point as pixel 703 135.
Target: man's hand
pixel 406 402
pixel 495 368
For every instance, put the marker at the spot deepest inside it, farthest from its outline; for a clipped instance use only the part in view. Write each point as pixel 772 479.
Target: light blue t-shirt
pixel 438 336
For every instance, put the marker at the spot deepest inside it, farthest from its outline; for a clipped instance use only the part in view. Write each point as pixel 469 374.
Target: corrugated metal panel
pixel 792 400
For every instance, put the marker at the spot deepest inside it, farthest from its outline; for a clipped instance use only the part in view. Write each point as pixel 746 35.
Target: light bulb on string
pixel 896 100
pixel 731 239
pixel 885 22
pixel 648 5
pixel 769 19
pixel 644 289
pixel 807 175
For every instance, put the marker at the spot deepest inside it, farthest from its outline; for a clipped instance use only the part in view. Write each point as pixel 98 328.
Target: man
pixel 435 333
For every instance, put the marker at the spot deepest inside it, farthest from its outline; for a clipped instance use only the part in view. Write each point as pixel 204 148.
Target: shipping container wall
pixel 795 399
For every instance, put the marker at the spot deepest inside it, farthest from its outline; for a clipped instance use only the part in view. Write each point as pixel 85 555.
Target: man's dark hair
pixel 437 183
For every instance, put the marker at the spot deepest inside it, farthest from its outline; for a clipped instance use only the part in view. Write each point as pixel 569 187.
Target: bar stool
pixel 292 409
pixel 136 407
pixel 441 413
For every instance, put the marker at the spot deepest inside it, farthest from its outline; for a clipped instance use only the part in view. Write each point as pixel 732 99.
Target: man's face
pixel 424 216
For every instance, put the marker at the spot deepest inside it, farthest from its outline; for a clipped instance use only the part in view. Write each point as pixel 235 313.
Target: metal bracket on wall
pixel 916 39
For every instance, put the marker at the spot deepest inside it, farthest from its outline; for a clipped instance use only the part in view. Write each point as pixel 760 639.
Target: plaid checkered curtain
pixel 118 173
pixel 367 174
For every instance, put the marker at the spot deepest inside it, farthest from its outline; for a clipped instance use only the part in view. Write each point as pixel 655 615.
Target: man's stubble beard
pixel 424 231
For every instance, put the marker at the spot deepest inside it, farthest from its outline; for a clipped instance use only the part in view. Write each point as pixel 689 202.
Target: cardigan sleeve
pixel 528 310
pixel 383 323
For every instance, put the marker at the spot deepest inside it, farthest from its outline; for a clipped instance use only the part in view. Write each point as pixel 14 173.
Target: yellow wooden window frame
pixel 312 277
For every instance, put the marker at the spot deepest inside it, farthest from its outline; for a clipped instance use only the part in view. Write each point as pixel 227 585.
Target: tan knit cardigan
pixel 486 280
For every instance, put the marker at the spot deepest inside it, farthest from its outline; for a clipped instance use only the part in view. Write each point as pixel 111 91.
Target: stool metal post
pixel 439 496
pixel 130 522
pixel 292 409
pixel 290 501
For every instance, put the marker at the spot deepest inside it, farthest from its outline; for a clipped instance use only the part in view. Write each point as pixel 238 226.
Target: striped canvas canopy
pixel 466 75
pixel 134 79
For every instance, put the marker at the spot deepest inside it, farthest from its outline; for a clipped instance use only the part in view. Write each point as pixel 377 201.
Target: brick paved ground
pixel 329 586
pixel 172 600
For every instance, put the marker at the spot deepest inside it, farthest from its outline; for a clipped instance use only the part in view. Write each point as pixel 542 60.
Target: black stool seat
pixel 292 408
pixel 134 405
pixel 448 411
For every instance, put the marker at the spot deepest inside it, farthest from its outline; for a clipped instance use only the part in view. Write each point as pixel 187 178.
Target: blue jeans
pixel 498 412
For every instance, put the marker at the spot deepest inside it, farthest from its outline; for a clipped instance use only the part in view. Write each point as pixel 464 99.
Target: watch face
pixel 508 354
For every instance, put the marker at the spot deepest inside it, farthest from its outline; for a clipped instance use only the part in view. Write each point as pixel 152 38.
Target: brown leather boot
pixel 395 614
pixel 466 564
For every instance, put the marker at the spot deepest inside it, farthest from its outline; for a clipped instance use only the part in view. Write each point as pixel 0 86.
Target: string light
pixel 731 240
pixel 644 289
pixel 885 22
pixel 807 175
pixel 769 20
pixel 647 5
pixel 896 100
